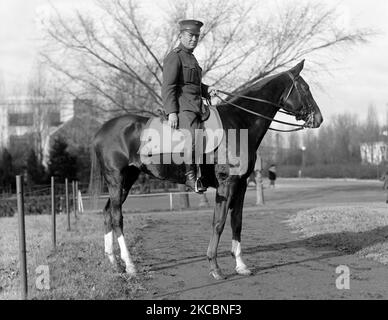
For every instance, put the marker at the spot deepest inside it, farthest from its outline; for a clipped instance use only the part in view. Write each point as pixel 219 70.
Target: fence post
pixel 53 217
pixel 259 180
pixel 74 199
pixel 22 237
pixel 76 196
pixel 67 203
pixel 183 197
pixel 171 202
pixel 203 202
pixel 80 202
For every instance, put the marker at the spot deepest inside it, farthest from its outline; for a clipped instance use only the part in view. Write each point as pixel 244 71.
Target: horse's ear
pixel 298 68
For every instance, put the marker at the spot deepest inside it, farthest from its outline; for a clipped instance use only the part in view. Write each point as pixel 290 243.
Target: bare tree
pixel 117 53
pixel 3 117
pixel 371 132
pixel 372 126
pixel 308 30
pixel 347 141
pixel 45 100
pixel 2 85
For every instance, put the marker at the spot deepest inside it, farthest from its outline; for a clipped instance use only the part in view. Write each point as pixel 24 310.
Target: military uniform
pixel 182 88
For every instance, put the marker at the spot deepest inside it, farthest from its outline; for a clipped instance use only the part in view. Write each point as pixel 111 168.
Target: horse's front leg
pixel 219 218
pixel 236 224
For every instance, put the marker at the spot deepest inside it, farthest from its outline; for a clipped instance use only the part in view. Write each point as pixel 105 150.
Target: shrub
pixel 33 205
pixel 356 171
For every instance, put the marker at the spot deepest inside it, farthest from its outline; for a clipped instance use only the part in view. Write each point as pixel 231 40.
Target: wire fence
pixel 37 199
pixel 23 202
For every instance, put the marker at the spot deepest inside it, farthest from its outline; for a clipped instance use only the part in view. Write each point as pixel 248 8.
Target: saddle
pixel 159 138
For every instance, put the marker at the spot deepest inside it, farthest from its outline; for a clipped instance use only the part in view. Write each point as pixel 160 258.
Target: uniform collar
pixel 183 48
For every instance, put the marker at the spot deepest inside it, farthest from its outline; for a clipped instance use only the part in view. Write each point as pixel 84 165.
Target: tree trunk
pixel 259 181
pixel 204 202
pixel 183 198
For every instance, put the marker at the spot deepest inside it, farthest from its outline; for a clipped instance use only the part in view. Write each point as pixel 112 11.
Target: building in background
pixel 374 152
pixel 78 131
pixel 31 123
pixel 27 122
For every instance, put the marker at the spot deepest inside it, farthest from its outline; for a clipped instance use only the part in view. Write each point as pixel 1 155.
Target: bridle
pixel 280 105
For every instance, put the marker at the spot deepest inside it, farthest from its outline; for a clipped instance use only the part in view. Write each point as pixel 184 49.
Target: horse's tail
pixel 95 182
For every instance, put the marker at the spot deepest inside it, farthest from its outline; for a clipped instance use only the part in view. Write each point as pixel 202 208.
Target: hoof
pixel 244 271
pixel 119 268
pixel 131 270
pixel 111 259
pixel 217 274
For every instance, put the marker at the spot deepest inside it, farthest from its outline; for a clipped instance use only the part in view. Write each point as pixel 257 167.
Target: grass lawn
pixel 360 230
pixel 78 268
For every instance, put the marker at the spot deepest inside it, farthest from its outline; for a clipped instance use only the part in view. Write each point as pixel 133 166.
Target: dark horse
pixel 117 158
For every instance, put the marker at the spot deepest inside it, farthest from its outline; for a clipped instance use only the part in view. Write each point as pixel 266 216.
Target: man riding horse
pixel 116 145
pixel 182 92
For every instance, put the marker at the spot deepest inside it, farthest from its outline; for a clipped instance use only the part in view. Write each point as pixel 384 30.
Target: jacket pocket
pixel 190 74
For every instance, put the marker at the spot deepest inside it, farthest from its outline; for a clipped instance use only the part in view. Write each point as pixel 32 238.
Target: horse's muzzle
pixel 314 120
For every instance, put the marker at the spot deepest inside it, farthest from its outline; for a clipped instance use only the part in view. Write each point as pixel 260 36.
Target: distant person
pixel 384 178
pixel 272 175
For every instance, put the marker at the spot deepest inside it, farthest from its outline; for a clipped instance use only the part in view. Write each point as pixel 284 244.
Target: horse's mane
pixel 257 85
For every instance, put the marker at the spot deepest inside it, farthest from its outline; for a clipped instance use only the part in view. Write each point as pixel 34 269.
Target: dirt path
pixel 284 266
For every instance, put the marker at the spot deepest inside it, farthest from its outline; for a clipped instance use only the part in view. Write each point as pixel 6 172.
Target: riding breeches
pixel 191 122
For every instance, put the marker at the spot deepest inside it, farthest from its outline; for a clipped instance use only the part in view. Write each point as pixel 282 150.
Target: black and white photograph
pixel 211 152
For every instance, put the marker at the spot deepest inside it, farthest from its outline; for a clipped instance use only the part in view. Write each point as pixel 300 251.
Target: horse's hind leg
pixel 119 184
pixel 236 223
pixel 108 237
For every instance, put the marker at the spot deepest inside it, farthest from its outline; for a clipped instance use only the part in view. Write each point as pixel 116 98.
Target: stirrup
pixel 198 186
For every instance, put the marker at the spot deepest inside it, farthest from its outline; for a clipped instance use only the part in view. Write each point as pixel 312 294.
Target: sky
pixel 358 80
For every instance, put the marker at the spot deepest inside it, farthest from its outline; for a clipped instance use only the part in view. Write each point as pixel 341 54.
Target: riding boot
pixel 192 181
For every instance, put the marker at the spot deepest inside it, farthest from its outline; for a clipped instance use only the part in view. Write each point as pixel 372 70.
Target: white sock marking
pixel 124 253
pixel 109 247
pixel 236 249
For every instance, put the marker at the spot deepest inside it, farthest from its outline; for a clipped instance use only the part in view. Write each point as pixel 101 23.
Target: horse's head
pixel 298 100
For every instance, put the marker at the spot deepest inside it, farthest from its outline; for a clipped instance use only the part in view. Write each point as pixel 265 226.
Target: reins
pixel 299 127
pixel 255 99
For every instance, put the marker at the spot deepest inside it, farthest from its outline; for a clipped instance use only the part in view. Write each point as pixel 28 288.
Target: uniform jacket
pixel 182 87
